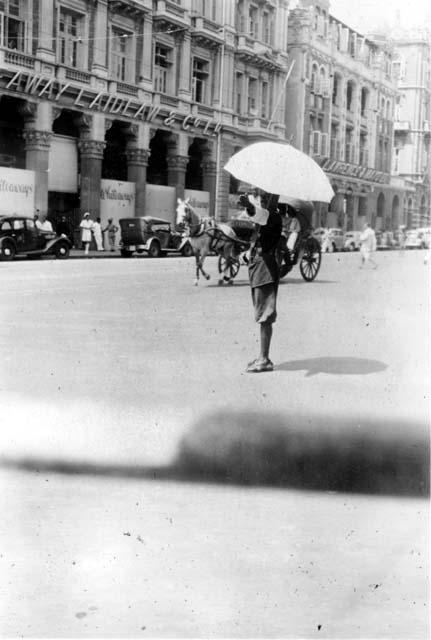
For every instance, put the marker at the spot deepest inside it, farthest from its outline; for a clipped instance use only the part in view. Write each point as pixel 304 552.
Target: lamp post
pixel 219 133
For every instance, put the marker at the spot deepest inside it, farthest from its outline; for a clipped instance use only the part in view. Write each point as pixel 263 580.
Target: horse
pixel 205 235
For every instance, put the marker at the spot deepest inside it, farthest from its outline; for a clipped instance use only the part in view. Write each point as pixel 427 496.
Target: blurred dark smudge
pixel 335 366
pixel 262 449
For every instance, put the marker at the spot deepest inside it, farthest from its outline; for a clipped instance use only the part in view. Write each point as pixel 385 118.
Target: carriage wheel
pixel 228 266
pixel 310 260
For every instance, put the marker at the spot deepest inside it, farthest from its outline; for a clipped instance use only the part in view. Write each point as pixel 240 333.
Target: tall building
pixel 341 98
pixel 412 153
pixel 122 106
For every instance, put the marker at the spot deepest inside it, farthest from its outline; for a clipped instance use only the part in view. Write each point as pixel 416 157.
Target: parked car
pixel 385 240
pixel 331 239
pixel 418 238
pixel 20 236
pixel 351 240
pixel 152 235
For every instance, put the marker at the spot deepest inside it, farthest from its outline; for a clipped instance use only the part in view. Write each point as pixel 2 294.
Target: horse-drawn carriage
pixel 306 251
pixel 231 242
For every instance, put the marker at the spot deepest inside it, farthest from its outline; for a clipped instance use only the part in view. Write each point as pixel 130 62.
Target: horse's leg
pixel 228 253
pixel 203 254
pixel 197 267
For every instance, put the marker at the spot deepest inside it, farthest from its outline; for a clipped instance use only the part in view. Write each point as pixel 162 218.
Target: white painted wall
pixel 17 192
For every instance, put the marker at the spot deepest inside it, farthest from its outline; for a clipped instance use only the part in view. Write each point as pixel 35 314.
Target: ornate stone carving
pixel 56 113
pixel 82 122
pixel 178 162
pixel 209 167
pixel 92 148
pixel 37 140
pixel 28 110
pixel 131 131
pixel 137 156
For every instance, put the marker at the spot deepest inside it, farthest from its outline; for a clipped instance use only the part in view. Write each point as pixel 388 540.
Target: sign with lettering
pixel 68 94
pixel 17 192
pixel 117 200
pixel 352 170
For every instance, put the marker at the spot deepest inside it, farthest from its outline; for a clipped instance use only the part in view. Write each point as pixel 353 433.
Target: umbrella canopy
pixel 280 168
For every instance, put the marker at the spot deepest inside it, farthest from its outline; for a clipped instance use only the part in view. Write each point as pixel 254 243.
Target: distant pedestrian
pixel 63 228
pixel 44 225
pixel 293 228
pixel 87 227
pixel 97 232
pixel 111 229
pixel 368 243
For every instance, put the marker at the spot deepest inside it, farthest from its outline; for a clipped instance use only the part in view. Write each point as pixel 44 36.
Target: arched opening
pixel 422 212
pixel 380 211
pixel 157 170
pixel 194 174
pixel 114 164
pixel 63 197
pixel 409 213
pixel 395 212
pixel 12 150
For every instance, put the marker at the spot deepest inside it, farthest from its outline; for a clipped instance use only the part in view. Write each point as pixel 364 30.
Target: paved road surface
pixel 120 364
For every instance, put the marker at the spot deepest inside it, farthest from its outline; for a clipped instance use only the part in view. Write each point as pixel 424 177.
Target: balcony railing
pixel 19 59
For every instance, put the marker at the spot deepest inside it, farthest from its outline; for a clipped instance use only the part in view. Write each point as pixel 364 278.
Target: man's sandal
pixel 257 366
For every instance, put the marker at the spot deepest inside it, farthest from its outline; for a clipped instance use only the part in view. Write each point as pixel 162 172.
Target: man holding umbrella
pixel 263 271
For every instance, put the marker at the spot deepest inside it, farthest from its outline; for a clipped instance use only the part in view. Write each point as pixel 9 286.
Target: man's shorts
pixel 265 302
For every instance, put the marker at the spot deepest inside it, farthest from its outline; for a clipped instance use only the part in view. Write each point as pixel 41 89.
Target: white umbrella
pixel 281 169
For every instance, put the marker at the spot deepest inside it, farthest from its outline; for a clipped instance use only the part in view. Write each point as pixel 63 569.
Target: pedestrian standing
pixel 263 271
pixel 86 227
pixel 97 232
pixel 63 228
pixel 111 229
pixel 44 225
pixel 368 243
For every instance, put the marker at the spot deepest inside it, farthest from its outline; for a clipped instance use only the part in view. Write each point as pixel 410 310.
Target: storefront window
pixel 162 68
pixel 12 24
pixel 200 80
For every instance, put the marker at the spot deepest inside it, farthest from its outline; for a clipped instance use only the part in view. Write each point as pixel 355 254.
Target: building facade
pixel 340 109
pixel 412 152
pixel 154 93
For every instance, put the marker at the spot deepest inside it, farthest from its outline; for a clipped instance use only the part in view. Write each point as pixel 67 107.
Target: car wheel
pixel 7 251
pixel 154 250
pixel 187 250
pixel 62 250
pixel 126 253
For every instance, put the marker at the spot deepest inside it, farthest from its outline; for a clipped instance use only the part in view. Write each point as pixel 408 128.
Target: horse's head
pixel 183 211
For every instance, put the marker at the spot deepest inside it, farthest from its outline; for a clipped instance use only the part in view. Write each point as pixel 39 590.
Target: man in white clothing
pixel 368 243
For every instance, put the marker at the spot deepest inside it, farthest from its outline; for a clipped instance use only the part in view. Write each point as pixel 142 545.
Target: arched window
pixel 350 91
pixel 322 82
pixel 364 100
pixel 314 78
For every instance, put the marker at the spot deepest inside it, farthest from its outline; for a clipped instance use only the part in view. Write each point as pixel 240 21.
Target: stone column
pixel 137 162
pixel 91 173
pixel 184 88
pixel 177 166
pixel 99 44
pixel 209 182
pixel 146 57
pixel 37 146
pixel 45 49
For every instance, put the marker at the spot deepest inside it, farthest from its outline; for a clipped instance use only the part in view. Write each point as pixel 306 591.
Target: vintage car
pixel 330 239
pixel 20 236
pixel 152 235
pixel 385 240
pixel 351 240
pixel 418 238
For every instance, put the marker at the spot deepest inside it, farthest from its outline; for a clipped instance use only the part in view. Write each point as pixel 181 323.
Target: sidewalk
pixel 79 253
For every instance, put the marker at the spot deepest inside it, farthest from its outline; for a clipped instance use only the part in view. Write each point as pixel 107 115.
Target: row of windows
pixel 252 96
pixel 256 21
pixel 321 85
